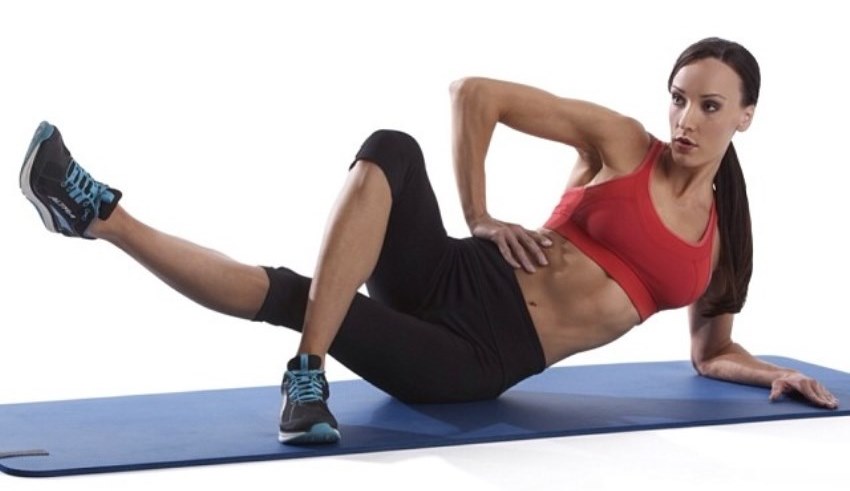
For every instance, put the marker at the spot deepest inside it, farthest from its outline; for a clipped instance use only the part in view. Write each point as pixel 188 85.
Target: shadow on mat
pixel 522 412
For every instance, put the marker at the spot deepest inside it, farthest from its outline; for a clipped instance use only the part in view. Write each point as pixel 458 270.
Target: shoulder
pixel 623 143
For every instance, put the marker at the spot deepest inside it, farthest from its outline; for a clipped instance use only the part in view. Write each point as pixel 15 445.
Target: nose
pixel 687 118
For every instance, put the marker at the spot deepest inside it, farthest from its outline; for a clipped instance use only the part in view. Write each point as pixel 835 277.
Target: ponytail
pixel 736 247
pixel 732 276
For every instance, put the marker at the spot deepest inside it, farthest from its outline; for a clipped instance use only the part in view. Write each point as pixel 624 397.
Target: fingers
pixel 531 245
pixel 817 393
pixel 507 253
pixel 821 396
pixel 540 238
pixel 778 388
pixel 518 245
pixel 521 248
pixel 809 388
pixel 525 246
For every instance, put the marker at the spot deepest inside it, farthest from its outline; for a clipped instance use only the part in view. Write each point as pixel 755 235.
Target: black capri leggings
pixel 445 320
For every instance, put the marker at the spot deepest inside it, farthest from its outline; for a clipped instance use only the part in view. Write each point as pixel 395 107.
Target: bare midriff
pixel 574 304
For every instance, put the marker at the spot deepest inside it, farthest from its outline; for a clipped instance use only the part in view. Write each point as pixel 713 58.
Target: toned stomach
pixel 574 304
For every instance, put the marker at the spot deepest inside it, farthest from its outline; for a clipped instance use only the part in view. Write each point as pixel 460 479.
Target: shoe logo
pixel 62 206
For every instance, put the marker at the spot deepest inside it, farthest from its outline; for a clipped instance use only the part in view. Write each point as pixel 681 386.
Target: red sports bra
pixel 616 225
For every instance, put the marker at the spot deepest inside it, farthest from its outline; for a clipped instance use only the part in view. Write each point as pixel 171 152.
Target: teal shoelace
pixel 84 190
pixel 306 385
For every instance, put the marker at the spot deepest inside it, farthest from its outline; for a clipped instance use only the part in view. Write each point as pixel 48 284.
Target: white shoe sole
pixel 319 434
pixel 44 131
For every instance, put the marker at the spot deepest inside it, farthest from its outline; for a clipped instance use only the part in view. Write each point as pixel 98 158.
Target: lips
pixel 683 140
pixel 684 145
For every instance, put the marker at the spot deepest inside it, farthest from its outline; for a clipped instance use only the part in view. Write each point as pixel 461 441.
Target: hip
pixel 475 293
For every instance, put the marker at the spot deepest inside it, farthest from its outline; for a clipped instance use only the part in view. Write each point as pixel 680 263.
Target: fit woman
pixel 643 226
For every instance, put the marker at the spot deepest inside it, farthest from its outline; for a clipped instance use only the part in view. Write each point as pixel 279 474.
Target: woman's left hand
pixel 808 387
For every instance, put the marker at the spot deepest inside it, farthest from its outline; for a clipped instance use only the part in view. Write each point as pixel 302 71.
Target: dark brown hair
pixel 733 208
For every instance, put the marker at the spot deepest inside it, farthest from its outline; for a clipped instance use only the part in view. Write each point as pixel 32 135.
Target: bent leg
pixel 203 275
pixel 385 230
pixel 353 237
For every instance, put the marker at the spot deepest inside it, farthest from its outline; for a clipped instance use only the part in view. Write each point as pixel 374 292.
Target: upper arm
pixel 587 165
pixel 584 125
pixel 710 336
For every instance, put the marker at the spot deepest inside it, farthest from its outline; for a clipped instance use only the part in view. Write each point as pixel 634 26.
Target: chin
pixel 686 159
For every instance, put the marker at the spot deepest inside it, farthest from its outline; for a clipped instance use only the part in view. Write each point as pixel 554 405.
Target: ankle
pixel 311 347
pixel 313 361
pixel 110 228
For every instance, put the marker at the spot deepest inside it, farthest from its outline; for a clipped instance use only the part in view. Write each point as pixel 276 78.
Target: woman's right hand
pixel 517 244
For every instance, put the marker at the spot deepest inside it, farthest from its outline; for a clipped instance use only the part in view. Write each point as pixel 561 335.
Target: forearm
pixel 715 355
pixel 474 119
pixel 735 364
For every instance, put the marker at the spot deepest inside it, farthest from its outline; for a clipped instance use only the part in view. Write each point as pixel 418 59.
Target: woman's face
pixel 705 111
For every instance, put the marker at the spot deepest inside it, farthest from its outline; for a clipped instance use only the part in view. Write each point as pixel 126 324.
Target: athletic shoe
pixel 65 195
pixel 305 418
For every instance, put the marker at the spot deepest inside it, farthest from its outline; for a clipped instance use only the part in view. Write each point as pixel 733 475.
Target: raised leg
pixel 69 201
pixel 357 223
pixel 201 274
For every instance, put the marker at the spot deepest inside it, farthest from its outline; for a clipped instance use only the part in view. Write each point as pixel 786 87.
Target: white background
pixel 232 124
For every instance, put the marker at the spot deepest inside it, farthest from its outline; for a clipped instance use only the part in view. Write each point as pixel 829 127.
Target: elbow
pixel 707 360
pixel 465 89
pixel 709 366
pixel 456 86
pixel 473 98
pixel 700 366
pixel 703 365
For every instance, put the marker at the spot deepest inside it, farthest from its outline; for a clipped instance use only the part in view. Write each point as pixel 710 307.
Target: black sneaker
pixel 305 418
pixel 65 195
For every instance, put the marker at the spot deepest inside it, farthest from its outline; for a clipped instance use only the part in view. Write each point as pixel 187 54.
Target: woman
pixel 643 226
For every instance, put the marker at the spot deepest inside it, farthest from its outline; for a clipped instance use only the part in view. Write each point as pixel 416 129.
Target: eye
pixel 677 99
pixel 710 106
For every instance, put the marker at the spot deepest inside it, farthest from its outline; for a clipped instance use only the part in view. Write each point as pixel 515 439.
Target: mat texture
pixel 240 425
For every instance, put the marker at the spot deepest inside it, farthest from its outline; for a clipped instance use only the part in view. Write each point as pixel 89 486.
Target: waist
pixel 574 304
pixel 609 262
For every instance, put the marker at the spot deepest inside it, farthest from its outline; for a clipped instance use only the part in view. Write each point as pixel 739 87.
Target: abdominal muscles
pixel 574 304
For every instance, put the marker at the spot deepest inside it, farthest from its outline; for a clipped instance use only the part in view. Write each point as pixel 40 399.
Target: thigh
pixel 416 240
pixel 412 359
pixel 407 357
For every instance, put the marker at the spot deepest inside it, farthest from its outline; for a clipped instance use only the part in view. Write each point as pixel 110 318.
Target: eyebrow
pixel 703 96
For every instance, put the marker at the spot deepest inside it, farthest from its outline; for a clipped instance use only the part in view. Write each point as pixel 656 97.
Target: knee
pixel 394 145
pixel 397 154
pixel 286 298
pixel 397 139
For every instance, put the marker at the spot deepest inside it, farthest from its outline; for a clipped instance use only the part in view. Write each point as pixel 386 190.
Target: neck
pixel 689 182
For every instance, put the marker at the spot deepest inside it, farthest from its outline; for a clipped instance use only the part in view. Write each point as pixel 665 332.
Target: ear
pixel 746 118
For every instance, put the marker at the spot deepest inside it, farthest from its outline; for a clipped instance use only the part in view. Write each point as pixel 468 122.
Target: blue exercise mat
pixel 240 425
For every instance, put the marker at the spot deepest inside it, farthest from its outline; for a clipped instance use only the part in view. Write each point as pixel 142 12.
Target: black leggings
pixel 445 320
